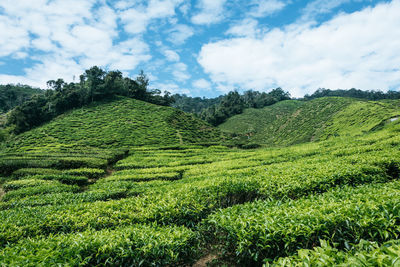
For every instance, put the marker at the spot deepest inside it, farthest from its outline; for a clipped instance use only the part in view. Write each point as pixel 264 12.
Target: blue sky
pixel 205 47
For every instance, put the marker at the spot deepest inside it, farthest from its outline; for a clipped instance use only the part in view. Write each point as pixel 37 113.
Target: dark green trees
pixel 233 103
pixel 14 95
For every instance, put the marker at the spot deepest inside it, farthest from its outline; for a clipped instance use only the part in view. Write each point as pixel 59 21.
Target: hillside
pixel 293 121
pixel 123 122
pixel 167 207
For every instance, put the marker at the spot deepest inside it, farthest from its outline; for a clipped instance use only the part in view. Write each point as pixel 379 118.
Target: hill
pixel 293 121
pixel 123 122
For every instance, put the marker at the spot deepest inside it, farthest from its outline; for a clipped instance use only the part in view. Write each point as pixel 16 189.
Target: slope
pixel 119 123
pixel 293 121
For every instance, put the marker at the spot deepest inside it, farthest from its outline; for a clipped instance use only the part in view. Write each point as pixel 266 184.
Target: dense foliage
pixel 14 95
pixel 95 85
pixel 233 103
pixel 194 105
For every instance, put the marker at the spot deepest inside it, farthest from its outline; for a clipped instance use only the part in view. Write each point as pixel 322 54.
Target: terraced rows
pixel 164 206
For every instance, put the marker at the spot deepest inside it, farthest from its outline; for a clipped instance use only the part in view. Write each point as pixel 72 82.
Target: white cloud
pixel 264 8
pixel 137 18
pixel 179 71
pixel 247 27
pixel 211 11
pixel 13 38
pixel 180 33
pixel 352 50
pixel 201 84
pixel 318 7
pixel 170 87
pixel 171 55
pixel 71 41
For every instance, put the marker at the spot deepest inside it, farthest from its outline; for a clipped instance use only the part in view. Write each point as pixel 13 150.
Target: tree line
pixel 355 93
pixel 94 84
pixel 218 110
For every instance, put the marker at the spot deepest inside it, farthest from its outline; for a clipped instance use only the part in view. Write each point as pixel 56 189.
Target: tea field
pixel 123 122
pixel 133 202
pixel 294 121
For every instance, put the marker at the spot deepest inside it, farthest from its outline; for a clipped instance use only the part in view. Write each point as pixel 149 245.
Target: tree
pixel 94 80
pixel 143 82
pixel 57 85
pixel 113 83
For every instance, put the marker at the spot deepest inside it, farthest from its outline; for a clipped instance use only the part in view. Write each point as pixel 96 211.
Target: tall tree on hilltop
pixel 94 80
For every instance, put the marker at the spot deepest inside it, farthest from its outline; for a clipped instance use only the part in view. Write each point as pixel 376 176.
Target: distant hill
pixel 293 121
pixel 123 122
pixel 14 95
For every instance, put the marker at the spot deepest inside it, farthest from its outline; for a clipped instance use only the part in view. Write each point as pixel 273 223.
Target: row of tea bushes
pixel 24 188
pixel 181 202
pixel 88 172
pixel 365 253
pixel 64 198
pixel 264 230
pixel 136 245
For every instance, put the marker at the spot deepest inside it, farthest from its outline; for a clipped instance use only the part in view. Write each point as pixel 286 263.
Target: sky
pixel 205 47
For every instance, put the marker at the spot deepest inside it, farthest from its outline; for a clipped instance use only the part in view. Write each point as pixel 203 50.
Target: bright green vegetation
pixel 136 245
pixel 68 201
pixel 293 121
pixel 264 230
pixel 122 123
pixel 363 254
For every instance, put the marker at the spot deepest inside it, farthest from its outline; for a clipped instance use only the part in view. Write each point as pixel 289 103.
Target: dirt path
pixel 202 262
pixel 2 193
pixel 180 137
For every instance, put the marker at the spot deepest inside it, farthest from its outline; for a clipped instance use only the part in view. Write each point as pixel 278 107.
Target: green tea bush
pixel 14 185
pixel 45 188
pixel 363 254
pixel 268 229
pixel 136 245
pixel 63 178
pixel 88 172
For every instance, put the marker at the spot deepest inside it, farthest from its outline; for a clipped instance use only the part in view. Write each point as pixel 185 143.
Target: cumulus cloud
pixel 137 18
pixel 246 27
pixel 351 50
pixel 171 55
pixel 264 8
pixel 179 71
pixel 180 33
pixel 201 84
pixel 171 87
pixel 318 7
pixel 68 42
pixel 211 11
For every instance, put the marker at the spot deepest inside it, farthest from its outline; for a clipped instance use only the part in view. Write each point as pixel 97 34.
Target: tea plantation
pixel 127 183
pixel 123 122
pixel 294 121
